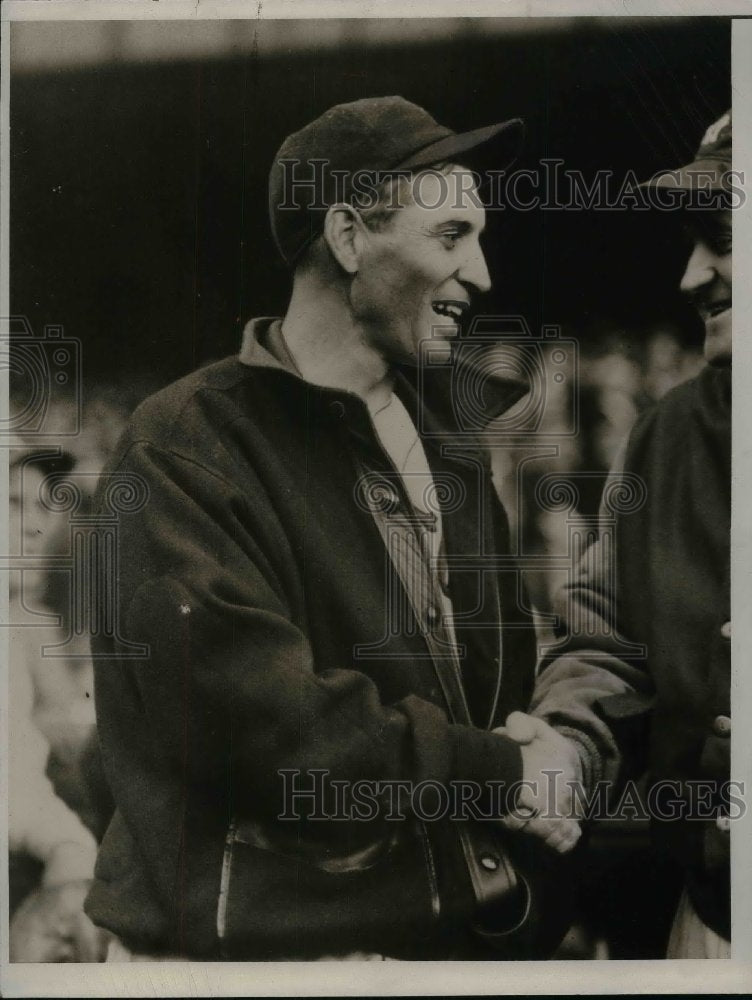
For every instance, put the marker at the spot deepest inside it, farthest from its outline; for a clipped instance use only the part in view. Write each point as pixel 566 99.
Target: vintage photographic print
pixel 372 596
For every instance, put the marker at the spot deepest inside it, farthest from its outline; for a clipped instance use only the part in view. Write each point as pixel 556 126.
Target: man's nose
pixel 475 272
pixel 700 269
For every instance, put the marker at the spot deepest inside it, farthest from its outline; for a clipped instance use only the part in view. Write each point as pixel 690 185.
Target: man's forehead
pixel 450 177
pixel 446 188
pixel 699 222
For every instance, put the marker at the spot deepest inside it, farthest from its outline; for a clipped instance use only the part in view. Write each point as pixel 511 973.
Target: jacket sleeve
pixel 229 689
pixel 587 687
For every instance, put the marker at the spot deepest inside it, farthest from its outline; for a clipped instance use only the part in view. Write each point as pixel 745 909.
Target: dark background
pixel 138 188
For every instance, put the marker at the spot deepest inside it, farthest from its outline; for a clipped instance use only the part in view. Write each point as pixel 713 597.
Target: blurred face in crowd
pixel 418 271
pixel 707 280
pixel 31 523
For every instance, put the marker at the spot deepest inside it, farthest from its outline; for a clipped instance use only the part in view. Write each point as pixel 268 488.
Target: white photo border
pixel 436 978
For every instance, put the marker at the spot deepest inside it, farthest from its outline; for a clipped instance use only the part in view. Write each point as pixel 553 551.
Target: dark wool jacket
pixel 258 583
pixel 670 595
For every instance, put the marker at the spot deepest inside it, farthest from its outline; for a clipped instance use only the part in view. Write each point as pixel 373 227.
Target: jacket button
pixel 489 862
pixel 337 407
pixel 722 725
pixel 723 823
pixel 726 630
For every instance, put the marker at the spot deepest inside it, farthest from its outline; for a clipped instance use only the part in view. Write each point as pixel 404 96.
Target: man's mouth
pixel 453 308
pixel 709 310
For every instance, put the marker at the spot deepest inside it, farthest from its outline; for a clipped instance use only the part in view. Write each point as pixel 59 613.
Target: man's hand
pixel 51 926
pixel 545 807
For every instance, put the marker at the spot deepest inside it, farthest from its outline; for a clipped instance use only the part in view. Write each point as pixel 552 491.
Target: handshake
pixel 547 807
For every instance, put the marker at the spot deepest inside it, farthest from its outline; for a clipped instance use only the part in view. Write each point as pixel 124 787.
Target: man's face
pixel 707 280
pixel 417 274
pixel 30 523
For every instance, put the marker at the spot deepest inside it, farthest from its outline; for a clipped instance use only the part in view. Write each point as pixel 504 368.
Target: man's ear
pixel 343 232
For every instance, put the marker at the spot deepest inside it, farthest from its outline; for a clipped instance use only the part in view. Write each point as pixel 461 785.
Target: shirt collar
pixel 263 345
pixel 435 386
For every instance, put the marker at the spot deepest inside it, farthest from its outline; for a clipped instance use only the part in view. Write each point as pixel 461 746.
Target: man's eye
pixel 721 244
pixel 450 238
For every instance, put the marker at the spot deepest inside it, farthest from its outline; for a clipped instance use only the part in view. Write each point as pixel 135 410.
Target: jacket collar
pixel 436 389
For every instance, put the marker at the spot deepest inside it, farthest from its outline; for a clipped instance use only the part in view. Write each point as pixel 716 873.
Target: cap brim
pixel 500 143
pixel 708 175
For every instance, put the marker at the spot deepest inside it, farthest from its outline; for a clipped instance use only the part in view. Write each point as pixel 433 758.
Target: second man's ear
pixel 343 232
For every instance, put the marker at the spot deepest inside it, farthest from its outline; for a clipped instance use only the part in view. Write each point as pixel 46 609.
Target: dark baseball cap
pixel 710 168
pixel 319 165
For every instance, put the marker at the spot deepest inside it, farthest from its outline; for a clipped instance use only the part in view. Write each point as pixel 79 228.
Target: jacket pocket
pixel 276 902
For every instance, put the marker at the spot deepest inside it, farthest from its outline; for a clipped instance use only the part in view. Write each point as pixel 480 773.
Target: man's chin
pixel 717 346
pixel 720 361
pixel 441 350
pixel 435 349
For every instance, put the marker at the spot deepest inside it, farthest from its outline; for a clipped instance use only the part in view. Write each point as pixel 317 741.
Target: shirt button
pixel 337 407
pixel 723 822
pixel 726 630
pixel 722 725
pixel 489 862
pixel 433 615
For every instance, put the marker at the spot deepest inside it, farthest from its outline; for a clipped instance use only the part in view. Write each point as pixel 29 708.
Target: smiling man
pixel 317 682
pixel 379 289
pixel 670 591
pixel 707 280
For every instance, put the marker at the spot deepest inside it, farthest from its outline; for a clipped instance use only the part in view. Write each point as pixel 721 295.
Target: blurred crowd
pixel 59 803
pixel 584 421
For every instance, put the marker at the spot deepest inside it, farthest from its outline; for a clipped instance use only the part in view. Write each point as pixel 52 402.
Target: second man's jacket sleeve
pixel 586 686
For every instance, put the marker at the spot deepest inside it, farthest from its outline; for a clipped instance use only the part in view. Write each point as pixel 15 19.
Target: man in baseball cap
pixel 708 183
pixel 708 180
pixel 347 150
pixel 669 591
pixel 319 676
